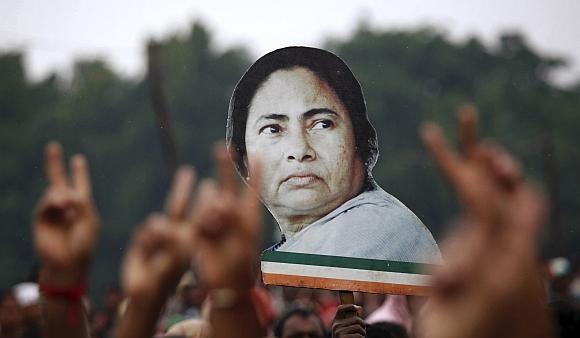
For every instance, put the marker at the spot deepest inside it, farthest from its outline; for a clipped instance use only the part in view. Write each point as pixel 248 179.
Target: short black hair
pixel 296 311
pixel 329 68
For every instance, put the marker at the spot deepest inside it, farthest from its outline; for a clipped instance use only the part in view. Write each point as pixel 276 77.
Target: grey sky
pixel 55 32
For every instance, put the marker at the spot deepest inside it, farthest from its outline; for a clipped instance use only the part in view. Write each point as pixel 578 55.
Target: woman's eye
pixel 322 124
pixel 270 129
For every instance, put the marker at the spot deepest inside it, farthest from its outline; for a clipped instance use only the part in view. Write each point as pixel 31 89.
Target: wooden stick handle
pixel 346 297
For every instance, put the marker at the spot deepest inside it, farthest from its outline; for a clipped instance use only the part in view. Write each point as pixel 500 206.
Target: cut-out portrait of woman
pixel 302 113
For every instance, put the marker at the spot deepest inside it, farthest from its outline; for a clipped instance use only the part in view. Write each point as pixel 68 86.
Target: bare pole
pixel 160 106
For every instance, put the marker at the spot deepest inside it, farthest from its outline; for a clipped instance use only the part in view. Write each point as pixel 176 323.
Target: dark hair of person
pixel 325 65
pixel 385 330
pixel 297 311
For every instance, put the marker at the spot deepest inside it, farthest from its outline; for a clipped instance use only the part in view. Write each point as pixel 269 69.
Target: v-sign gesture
pixel 66 223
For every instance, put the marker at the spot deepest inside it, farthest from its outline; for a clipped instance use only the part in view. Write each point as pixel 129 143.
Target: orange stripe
pixel 343 285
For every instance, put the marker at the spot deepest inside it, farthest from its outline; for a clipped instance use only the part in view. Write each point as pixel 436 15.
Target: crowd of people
pixel 191 270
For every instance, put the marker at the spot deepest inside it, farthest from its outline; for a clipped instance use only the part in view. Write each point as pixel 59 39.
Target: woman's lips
pixel 301 180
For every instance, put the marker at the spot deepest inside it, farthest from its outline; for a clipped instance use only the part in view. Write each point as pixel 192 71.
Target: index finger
pixel 225 168
pixel 433 140
pixel 80 175
pixel 55 171
pixel 467 118
pixel 251 195
pixel 180 192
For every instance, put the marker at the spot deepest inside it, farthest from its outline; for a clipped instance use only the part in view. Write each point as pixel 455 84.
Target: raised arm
pixel 227 225
pixel 159 255
pixel 65 230
pixel 490 285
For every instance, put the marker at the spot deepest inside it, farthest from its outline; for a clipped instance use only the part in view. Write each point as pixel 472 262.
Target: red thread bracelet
pixel 73 293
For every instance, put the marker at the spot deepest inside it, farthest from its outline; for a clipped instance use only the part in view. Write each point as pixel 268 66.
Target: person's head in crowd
pixel 385 330
pixel 302 113
pixel 11 317
pixel 299 323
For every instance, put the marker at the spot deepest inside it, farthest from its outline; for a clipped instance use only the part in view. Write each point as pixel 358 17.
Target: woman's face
pixel 303 135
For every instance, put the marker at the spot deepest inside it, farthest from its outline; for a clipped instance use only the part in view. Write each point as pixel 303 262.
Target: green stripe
pixel 345 262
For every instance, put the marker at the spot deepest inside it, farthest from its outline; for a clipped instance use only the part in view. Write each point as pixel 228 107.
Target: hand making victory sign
pixel 489 284
pixel 161 248
pixel 227 223
pixel 66 222
pixel 159 254
pixel 226 234
pixel 65 230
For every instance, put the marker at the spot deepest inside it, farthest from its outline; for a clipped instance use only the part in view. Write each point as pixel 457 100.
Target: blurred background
pixel 77 72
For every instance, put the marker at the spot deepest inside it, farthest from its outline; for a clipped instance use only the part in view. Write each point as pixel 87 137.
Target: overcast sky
pixel 55 32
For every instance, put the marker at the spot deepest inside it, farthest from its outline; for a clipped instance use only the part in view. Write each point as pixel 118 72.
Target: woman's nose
pixel 298 147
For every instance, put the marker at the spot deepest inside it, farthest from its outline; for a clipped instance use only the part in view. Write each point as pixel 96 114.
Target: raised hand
pixel 483 176
pixel 66 222
pixel 159 255
pixel 65 231
pixel 226 228
pixel 161 248
pixel 489 285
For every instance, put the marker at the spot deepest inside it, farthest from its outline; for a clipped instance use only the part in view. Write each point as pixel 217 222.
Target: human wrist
pixel 240 279
pixel 62 277
pixel 229 298
pixel 150 300
pixel 68 292
pixel 241 305
pixel 72 292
